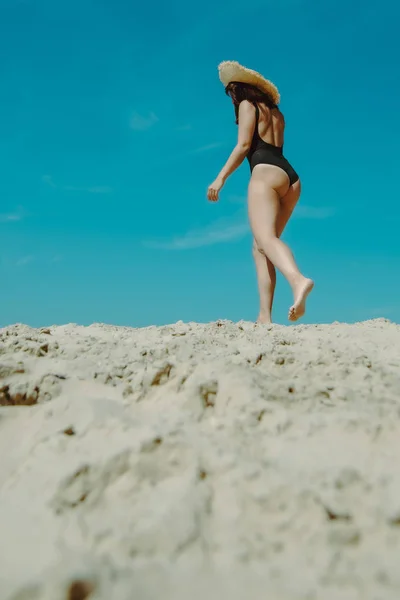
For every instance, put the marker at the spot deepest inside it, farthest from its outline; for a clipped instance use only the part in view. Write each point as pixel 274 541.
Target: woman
pixel 274 187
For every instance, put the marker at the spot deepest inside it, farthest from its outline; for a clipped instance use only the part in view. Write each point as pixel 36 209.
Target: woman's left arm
pixel 245 134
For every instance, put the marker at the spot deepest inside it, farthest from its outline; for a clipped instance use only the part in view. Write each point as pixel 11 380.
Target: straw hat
pixel 231 70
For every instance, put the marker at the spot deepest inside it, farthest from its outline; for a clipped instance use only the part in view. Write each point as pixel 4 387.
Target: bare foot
pixel 264 319
pixel 301 292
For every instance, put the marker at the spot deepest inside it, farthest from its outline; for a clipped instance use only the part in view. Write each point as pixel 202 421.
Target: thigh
pixel 287 205
pixel 264 204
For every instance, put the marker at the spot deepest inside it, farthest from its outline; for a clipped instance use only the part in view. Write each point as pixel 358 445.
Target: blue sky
pixel 113 123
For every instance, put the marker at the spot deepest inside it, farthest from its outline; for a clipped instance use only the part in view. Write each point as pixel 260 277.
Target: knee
pixel 262 245
pixel 257 250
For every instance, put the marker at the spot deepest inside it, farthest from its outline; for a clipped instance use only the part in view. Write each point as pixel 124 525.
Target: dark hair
pixel 239 91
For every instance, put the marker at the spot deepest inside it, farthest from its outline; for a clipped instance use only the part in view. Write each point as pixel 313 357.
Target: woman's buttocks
pixel 273 157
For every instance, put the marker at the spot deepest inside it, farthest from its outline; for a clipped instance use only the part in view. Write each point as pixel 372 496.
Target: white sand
pixel 200 461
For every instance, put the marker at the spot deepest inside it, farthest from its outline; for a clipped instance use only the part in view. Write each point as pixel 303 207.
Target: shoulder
pixel 247 110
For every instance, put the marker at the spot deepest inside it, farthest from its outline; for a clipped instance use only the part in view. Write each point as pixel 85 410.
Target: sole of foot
pixel 299 307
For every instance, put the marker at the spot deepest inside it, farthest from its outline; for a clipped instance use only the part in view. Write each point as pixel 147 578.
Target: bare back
pixel 267 141
pixel 271 125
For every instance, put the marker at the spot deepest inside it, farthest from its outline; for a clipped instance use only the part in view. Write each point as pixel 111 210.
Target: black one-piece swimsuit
pixel 262 153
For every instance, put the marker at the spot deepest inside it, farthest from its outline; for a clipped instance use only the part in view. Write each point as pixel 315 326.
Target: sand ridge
pixel 221 459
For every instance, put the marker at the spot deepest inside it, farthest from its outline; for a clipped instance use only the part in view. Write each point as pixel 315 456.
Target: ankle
pixel 264 317
pixel 296 279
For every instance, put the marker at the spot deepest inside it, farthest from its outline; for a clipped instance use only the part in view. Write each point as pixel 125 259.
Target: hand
pixel 214 189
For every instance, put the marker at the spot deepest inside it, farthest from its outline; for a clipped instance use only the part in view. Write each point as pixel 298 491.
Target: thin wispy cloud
pixel 140 122
pixel 225 230
pixel 314 212
pixel 12 216
pixel 24 260
pixel 49 180
pixel 221 231
pixel 206 148
pixel 95 189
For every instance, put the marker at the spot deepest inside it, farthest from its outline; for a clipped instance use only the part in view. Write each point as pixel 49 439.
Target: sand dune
pixel 223 460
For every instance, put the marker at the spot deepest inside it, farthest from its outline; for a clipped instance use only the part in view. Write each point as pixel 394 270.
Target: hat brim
pixel 231 70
